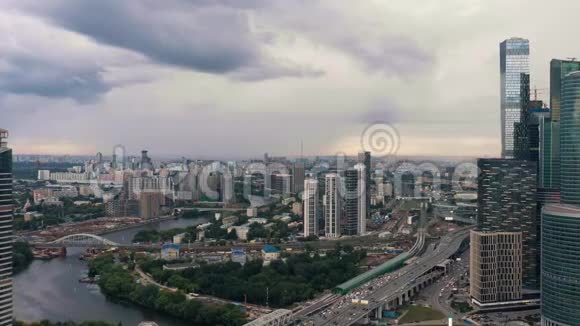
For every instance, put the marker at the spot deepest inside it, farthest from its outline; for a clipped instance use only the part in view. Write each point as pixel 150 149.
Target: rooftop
pixel 170 246
pixel 270 249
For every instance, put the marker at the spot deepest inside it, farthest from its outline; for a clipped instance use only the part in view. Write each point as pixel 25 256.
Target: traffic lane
pixel 452 243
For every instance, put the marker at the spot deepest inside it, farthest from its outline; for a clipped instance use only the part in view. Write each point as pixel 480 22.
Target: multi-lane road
pixel 389 287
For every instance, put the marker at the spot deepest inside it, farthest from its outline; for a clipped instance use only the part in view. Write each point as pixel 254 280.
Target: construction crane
pixel 540 91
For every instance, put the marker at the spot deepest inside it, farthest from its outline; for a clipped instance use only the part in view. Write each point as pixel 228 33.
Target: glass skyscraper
pixel 507 202
pixel 5 231
pixel 558 70
pixel 561 222
pixel 560 266
pixel 514 60
pixel 570 140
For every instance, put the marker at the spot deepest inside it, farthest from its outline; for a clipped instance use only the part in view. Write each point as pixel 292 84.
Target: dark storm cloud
pixel 28 75
pixel 208 36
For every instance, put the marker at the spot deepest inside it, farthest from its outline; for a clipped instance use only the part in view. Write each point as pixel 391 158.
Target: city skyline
pixel 145 89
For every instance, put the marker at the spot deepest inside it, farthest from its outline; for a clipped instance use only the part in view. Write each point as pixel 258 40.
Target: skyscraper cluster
pixel 345 200
pixel 528 230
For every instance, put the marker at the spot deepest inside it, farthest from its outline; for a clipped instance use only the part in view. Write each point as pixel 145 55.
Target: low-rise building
pixel 270 253
pixel 170 251
pixel 241 231
pixel 238 255
pixel 257 220
pixel 32 216
pixel 178 238
pixel 297 208
pixel 252 212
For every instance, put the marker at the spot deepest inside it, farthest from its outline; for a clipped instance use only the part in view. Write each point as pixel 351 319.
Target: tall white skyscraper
pixel 514 60
pixel 361 198
pixel 331 202
pixel 310 198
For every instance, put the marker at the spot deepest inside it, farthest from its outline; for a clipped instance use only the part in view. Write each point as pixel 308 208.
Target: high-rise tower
pixel 560 269
pixel 332 202
pixel 514 60
pixel 504 248
pixel 5 231
pixel 310 198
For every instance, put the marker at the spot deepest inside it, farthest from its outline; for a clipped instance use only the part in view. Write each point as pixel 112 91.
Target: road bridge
pixel 400 288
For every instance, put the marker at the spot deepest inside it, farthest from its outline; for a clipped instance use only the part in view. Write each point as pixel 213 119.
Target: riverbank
pixel 120 282
pixel 136 225
pixel 50 289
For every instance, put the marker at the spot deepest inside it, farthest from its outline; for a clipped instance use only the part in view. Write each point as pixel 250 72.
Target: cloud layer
pixel 235 78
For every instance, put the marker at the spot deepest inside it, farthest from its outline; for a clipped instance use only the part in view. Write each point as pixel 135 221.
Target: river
pixel 50 289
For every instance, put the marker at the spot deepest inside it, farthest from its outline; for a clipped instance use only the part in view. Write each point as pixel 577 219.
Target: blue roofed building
pixel 270 253
pixel 170 251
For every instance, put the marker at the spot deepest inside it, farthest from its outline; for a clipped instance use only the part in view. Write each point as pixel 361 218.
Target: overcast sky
pixel 237 78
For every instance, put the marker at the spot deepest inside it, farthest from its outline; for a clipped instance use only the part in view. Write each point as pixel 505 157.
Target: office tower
pixel 514 55
pixel 354 201
pixel 99 158
pixel 558 70
pixel 6 226
pixel 526 131
pixel 561 222
pixel 227 188
pixel 560 265
pixel 310 199
pixel 150 204
pixel 495 267
pixel 281 183
pixel 332 209
pixel 298 177
pixel 146 161
pixel 363 199
pixel 504 247
pixel 407 185
pixel 114 161
pixel 549 153
pixel 365 159
pixel 570 140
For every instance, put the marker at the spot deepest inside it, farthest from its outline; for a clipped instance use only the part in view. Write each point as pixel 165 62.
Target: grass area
pixel 420 313
pixel 408 205
pixel 462 307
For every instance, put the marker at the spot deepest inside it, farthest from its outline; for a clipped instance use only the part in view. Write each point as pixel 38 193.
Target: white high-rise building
pixel 310 198
pixel 331 202
pixel 43 175
pixel 361 198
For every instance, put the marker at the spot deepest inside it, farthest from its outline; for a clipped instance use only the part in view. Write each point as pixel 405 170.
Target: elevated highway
pixel 401 285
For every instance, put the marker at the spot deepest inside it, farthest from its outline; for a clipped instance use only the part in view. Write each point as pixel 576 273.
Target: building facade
pixel 298 177
pixel 150 204
pixel 560 265
pixel 310 199
pixel 514 60
pixel 364 158
pixel 558 70
pixel 507 205
pixel 561 222
pixel 570 140
pixel 332 209
pixel 495 272
pixel 6 231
